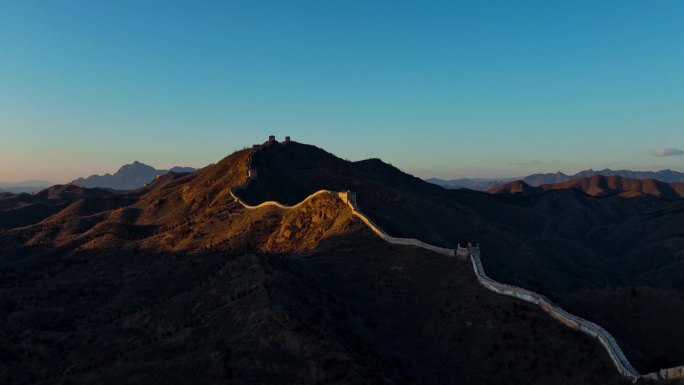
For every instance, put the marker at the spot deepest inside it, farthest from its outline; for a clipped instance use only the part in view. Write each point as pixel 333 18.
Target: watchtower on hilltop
pixel 272 139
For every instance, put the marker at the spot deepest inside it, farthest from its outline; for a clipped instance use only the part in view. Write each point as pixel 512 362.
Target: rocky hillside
pixel 562 243
pixel 178 283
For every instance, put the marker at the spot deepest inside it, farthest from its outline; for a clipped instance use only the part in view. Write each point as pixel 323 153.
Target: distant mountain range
pixel 486 184
pixel 479 184
pixel 27 186
pixel 600 186
pixel 128 177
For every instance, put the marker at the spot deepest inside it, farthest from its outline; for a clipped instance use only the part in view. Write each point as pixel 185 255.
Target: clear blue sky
pixel 441 88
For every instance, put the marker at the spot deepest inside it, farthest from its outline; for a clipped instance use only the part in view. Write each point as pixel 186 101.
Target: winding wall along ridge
pixel 570 320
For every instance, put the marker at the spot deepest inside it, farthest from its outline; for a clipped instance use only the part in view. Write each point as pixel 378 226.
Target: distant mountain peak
pixel 129 176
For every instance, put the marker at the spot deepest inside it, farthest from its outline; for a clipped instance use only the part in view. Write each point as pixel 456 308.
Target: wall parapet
pixel 572 321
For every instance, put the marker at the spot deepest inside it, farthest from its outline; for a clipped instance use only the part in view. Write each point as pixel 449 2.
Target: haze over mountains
pixel 129 177
pixel 27 186
pixel 486 184
pixel 135 175
pixel 177 282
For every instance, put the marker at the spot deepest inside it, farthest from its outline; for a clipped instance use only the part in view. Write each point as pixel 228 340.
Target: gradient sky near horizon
pixel 438 88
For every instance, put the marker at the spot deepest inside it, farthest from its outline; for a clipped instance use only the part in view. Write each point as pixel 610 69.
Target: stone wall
pixel 570 320
pixel 350 199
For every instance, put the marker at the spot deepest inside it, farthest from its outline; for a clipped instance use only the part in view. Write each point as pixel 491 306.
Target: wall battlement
pixel 464 252
pixel 572 321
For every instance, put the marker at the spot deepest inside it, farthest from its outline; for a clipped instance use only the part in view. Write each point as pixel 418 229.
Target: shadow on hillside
pixel 561 243
pixel 357 310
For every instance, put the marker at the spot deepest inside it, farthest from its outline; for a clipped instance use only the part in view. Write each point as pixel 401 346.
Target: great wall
pixel 570 320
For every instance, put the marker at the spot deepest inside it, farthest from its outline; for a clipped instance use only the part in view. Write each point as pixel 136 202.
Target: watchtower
pixel 462 252
pixel 271 138
pixel 287 139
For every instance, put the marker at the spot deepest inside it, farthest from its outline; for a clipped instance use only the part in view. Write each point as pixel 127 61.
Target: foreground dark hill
pixel 566 244
pixel 178 283
pixel 129 176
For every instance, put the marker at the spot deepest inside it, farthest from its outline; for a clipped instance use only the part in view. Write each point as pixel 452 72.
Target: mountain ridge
pixel 180 262
pixel 538 179
pixel 572 321
pixel 600 186
pixel 527 243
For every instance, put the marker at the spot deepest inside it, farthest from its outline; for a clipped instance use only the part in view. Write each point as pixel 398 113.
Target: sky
pixel 438 88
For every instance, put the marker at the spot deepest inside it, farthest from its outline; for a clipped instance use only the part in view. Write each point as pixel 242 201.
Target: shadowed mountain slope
pixel 17 210
pixel 561 243
pixel 178 283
